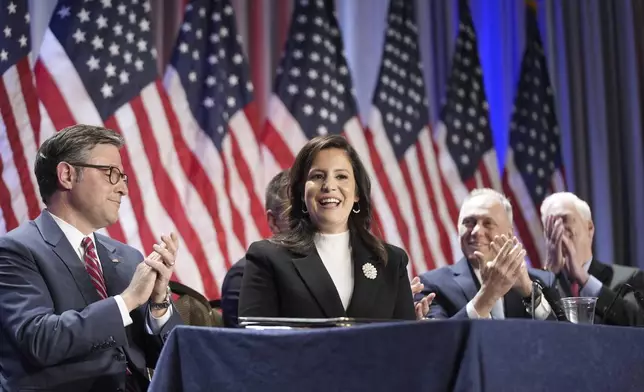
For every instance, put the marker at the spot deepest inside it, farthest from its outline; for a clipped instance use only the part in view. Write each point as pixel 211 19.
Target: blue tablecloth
pixel 483 355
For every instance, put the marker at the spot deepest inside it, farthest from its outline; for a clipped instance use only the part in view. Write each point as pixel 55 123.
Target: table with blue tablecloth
pixel 478 355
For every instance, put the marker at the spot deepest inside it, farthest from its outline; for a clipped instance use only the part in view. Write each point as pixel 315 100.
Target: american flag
pixel 463 138
pixel 210 90
pixel 19 118
pixel 403 152
pixel 467 155
pixel 313 95
pixel 534 166
pixel 313 92
pixel 97 65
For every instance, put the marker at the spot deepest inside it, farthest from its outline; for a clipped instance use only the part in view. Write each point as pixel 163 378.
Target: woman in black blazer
pixel 328 264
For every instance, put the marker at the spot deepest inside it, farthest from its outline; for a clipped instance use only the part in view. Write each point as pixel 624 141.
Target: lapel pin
pixel 116 261
pixel 369 271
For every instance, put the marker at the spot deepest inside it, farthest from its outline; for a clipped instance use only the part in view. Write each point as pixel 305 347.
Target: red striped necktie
pixel 96 276
pixel 93 267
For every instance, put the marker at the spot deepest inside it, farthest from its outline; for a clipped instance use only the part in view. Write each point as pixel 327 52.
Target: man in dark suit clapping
pixel 569 232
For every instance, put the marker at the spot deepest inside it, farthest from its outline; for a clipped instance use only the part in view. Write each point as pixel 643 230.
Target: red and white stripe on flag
pixel 20 120
pixel 404 155
pixel 534 165
pixel 177 182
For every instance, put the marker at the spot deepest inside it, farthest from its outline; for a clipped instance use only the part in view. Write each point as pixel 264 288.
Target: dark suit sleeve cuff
pixel 461 315
pixel 174 320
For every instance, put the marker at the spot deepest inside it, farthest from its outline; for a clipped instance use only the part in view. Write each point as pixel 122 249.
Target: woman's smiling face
pixel 330 191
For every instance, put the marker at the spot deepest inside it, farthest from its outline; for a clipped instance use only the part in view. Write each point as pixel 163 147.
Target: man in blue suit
pixel 492 280
pixel 80 311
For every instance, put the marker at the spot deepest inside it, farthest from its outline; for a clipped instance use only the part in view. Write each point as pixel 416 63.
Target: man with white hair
pixel 569 230
pixel 492 280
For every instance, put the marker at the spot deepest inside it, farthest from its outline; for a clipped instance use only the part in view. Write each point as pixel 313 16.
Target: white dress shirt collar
pixel 73 235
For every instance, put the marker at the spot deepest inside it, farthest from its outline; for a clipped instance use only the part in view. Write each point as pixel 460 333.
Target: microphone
pixel 552 296
pixel 639 297
pixel 621 292
pixel 533 297
pixel 563 282
pixel 624 289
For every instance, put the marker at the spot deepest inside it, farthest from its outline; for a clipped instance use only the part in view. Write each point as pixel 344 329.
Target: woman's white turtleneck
pixel 335 252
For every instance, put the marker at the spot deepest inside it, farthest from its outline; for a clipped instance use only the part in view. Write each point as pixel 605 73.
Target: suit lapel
pixel 319 282
pixel 604 274
pixel 365 290
pixel 596 269
pixel 465 279
pixel 562 284
pixel 53 235
pixel 110 262
pixel 601 272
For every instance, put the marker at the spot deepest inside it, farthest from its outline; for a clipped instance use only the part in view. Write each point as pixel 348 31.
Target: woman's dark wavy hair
pixel 299 238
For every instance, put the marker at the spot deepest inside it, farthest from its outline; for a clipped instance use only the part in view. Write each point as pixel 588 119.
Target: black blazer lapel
pixel 55 237
pixel 465 278
pixel 365 290
pixel 115 281
pixel 317 279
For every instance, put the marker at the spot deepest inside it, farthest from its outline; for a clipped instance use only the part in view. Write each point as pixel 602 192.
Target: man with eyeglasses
pixel 80 311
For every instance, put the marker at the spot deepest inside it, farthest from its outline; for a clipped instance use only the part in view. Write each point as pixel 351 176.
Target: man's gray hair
pixel 582 207
pixel 507 206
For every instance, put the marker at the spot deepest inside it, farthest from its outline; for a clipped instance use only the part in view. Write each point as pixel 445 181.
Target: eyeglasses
pixel 114 174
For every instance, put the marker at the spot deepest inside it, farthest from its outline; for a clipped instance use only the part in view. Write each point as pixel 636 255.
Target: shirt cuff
pixel 125 314
pixel 154 325
pixel 542 311
pixel 591 288
pixel 471 312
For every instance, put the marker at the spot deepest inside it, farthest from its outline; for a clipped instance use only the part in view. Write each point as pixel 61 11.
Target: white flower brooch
pixel 369 271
